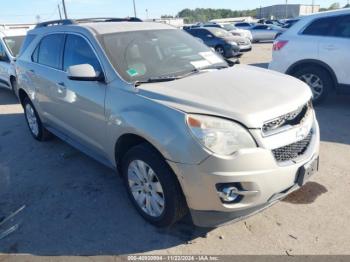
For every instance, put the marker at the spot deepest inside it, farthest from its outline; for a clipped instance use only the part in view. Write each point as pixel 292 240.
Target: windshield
pixel 218 32
pixel 229 27
pixel 14 44
pixel 143 55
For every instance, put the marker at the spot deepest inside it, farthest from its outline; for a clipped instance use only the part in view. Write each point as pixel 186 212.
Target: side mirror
pixel 83 72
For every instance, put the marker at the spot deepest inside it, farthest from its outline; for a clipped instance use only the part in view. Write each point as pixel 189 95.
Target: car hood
pixel 247 94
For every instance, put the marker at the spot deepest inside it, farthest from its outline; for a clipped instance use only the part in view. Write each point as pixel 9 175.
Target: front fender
pixel 162 126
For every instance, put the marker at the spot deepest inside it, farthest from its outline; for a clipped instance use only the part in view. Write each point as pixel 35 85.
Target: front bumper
pixel 254 169
pixel 245 48
pixel 218 218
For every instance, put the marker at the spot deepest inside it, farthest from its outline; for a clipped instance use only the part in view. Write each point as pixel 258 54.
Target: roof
pixel 329 13
pixel 99 27
pixel 115 27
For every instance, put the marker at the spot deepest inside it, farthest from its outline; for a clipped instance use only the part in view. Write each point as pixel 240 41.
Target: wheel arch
pixel 22 95
pixel 127 141
pixel 313 62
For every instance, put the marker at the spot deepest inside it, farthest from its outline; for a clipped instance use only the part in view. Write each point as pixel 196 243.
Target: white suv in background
pixel 11 38
pixel 317 50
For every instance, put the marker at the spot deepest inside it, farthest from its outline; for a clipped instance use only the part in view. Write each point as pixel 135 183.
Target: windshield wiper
pixel 173 78
pixel 156 80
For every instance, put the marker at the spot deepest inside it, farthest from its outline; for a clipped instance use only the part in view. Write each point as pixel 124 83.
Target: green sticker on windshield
pixel 132 72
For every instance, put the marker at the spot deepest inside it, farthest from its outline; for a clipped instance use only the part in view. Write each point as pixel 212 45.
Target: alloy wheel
pixel 220 50
pixel 32 119
pixel 146 188
pixel 315 83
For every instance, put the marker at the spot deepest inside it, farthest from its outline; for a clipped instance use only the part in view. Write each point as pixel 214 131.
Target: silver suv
pixel 186 132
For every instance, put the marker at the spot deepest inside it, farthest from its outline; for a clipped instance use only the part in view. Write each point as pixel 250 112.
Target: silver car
pixel 186 132
pixel 265 32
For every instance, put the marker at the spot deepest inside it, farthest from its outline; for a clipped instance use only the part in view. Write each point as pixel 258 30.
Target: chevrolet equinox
pixel 187 133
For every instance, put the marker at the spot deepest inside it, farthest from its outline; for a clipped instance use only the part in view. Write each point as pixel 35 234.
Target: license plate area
pixel 307 171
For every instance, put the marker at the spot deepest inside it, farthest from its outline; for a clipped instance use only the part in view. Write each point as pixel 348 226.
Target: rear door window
pixel 321 26
pixel 342 27
pixel 50 51
pixel 77 52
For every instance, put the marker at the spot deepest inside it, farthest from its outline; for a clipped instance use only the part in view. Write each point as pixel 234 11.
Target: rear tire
pixel 36 128
pixel 158 185
pixel 318 79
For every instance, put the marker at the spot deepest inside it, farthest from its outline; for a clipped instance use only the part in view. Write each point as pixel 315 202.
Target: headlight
pixel 233 43
pixel 220 136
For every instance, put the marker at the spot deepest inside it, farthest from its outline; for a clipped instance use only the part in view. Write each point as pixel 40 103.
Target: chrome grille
pixel 291 119
pixel 292 151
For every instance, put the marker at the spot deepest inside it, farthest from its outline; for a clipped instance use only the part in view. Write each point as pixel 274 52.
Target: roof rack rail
pixel 87 20
pixel 56 22
pixel 108 19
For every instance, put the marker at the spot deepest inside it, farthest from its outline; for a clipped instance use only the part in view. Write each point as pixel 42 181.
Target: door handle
pixel 61 88
pixel 331 47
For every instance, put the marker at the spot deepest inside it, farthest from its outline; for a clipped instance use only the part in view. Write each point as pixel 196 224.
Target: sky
pixel 27 11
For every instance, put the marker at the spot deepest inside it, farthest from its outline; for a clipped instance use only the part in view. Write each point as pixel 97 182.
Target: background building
pixel 286 11
pixel 233 20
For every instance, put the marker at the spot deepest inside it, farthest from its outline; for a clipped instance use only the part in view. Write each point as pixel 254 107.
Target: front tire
pixel 220 49
pixel 14 85
pixel 34 123
pixel 152 186
pixel 319 81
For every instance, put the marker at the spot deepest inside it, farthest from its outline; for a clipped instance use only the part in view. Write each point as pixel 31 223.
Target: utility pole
pixel 286 11
pixel 64 9
pixel 59 11
pixel 313 6
pixel 135 15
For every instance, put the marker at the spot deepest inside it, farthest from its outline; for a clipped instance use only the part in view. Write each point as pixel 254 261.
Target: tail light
pixel 279 44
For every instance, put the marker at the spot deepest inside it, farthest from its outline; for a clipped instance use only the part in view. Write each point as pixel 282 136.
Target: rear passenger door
pixel 335 48
pixel 311 42
pixel 82 102
pixel 45 74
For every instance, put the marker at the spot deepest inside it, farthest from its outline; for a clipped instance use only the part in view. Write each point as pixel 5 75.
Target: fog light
pixel 228 194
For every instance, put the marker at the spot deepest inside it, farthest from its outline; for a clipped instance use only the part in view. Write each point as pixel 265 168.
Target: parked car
pixel 186 132
pixel 239 36
pixel 265 32
pixel 274 22
pixel 244 25
pixel 237 31
pixel 289 23
pixel 316 50
pixel 10 44
pixel 217 38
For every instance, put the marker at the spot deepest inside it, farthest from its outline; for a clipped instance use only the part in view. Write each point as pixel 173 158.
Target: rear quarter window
pixel 342 27
pixel 27 41
pixel 321 26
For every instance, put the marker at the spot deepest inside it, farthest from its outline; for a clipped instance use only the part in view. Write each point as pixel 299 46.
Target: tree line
pixel 206 14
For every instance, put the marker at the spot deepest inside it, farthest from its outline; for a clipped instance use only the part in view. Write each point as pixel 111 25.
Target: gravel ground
pixel 75 206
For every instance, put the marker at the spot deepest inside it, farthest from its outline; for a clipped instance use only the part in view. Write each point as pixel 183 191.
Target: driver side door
pixel 82 102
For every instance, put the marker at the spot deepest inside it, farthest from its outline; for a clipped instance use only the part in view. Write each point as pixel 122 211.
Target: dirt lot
pixel 75 206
